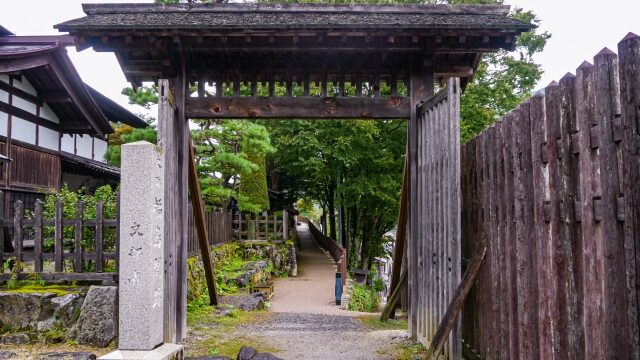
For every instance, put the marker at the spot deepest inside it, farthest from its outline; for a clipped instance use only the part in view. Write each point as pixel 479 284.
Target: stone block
pixel 68 356
pixel 141 246
pixel 163 352
pixel 97 324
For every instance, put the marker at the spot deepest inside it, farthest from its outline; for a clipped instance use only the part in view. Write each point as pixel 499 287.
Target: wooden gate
pixel 434 202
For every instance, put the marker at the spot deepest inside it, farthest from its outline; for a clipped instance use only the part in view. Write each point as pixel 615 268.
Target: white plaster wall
pixel 48 138
pixel 99 149
pixel 84 146
pixel 23 130
pixel 4 78
pixel 47 113
pixel 67 143
pixel 24 85
pixel 4 96
pixel 24 104
pixel 4 120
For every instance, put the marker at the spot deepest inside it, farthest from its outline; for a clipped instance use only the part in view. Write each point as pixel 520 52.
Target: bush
pixel 363 298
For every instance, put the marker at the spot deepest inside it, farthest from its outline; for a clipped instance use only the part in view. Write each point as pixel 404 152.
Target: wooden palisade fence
pixel 35 258
pixel 554 190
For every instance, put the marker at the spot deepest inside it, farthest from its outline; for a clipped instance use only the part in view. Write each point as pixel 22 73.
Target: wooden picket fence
pixel 261 226
pixel 69 256
pixel 553 188
pixel 223 228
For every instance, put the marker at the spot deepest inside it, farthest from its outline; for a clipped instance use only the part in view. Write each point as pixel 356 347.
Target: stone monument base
pixel 163 352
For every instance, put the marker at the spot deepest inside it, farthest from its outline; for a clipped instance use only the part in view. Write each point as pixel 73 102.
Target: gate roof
pixel 279 42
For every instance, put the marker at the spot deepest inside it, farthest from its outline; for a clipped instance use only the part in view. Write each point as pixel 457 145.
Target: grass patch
pixel 373 322
pixel 405 351
pixel 58 290
pixel 229 346
pixel 218 332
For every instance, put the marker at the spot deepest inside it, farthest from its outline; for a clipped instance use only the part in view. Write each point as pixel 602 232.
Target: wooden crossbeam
pixel 298 107
pixel 203 236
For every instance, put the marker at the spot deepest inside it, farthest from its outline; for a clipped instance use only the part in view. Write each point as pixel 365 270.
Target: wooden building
pixel 53 127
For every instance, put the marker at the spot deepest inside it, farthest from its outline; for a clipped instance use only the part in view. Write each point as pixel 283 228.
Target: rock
pixel 5 354
pixel 20 311
pixel 265 356
pixel 246 353
pixel 97 324
pixel 64 308
pixel 45 324
pixel 224 310
pixel 18 339
pixel 68 356
pixel 253 302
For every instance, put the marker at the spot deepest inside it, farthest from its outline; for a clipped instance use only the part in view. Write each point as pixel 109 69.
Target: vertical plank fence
pixel 554 189
pixel 434 245
pixel 41 245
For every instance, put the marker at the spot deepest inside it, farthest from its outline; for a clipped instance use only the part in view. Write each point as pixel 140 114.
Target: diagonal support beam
pixel 449 319
pixel 203 236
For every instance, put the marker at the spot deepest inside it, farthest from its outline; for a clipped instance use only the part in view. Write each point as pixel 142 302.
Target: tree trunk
pixel 331 208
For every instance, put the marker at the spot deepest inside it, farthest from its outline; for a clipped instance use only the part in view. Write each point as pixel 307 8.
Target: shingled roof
pixel 276 42
pixel 308 16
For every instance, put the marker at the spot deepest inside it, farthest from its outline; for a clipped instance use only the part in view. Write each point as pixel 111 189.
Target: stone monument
pixel 141 266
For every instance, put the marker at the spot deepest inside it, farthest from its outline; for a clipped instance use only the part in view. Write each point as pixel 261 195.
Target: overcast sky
pixel 579 29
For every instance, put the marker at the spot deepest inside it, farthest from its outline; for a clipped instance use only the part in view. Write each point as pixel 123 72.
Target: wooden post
pixel 77 256
pixel 203 236
pixel 99 236
pixel 455 306
pixel 37 229
pixel 2 237
pixel 421 88
pixel 285 225
pixel 18 233
pixel 58 237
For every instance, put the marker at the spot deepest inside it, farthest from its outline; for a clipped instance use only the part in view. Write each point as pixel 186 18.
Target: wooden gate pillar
pixel 420 88
pixel 173 136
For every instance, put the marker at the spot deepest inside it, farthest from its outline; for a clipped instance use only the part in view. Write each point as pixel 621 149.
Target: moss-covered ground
pixel 214 334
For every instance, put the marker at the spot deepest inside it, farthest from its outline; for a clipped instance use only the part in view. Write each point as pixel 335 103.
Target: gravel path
pixel 306 323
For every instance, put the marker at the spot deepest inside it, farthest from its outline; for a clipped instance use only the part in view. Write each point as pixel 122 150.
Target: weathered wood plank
pixel 58 236
pixel 556 192
pixel 99 236
pixel 542 247
pixel 607 108
pixel 18 231
pixel 77 243
pixel 166 139
pixel 592 239
pixel 629 52
pixel 572 244
pixel 298 107
pixel 37 232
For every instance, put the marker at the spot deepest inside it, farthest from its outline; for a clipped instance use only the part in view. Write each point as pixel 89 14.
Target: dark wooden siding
pixel 33 169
